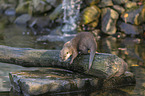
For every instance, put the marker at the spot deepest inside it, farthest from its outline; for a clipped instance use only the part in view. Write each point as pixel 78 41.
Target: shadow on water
pixel 132 50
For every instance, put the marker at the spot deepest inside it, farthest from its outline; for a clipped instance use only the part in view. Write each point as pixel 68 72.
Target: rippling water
pixel 132 50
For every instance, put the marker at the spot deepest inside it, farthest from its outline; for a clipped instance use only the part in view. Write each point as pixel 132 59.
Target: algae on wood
pixel 104 65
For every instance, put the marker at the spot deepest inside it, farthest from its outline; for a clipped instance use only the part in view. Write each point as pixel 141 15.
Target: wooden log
pixel 104 65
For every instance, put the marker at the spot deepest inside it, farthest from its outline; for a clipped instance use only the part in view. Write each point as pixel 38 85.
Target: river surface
pixel 132 50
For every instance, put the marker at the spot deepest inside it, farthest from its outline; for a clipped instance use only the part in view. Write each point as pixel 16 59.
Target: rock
pixel 104 65
pixel 134 16
pixel 4 5
pixel 50 80
pixel 118 2
pixel 130 29
pixel 41 22
pixel 130 4
pixel 54 3
pixel 10 12
pixel 33 7
pixel 57 81
pixel 105 3
pixel 40 7
pixel 22 7
pixel 54 81
pixel 90 16
pixel 91 2
pixel 57 12
pixel 23 19
pixel 108 21
pixel 119 9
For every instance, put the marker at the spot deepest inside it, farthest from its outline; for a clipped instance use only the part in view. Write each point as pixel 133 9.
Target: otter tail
pixel 92 54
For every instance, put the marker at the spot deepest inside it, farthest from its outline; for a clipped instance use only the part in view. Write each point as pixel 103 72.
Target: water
pixel 71 14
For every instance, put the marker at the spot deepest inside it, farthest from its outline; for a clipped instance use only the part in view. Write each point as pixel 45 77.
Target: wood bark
pixel 104 65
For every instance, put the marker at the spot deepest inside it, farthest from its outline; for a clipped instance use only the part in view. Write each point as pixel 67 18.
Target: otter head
pixel 66 51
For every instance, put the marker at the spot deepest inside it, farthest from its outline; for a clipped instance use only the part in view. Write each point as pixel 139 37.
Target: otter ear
pixel 67 43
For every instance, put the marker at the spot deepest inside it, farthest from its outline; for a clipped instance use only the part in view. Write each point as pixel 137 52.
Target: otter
pixel 82 42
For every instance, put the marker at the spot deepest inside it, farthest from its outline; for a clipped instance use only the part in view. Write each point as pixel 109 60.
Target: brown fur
pixel 82 42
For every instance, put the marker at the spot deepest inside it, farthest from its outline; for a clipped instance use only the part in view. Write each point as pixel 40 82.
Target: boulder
pixel 54 3
pixel 108 21
pixel 118 2
pixel 119 9
pixel 10 12
pixel 23 19
pixel 33 7
pixel 91 2
pixel 22 7
pixel 40 7
pixel 50 80
pixel 130 29
pixel 134 16
pixel 56 13
pixel 90 16
pixel 130 4
pixel 56 81
pixel 105 3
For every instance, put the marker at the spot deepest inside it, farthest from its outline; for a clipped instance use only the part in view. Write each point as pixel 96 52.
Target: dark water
pixel 132 50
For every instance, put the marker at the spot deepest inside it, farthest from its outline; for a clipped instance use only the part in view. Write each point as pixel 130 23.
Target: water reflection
pixel 4 75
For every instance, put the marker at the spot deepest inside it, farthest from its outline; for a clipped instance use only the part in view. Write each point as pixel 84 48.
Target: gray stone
pixel 23 19
pixel 91 2
pixel 130 4
pixel 108 21
pixel 134 16
pixel 22 7
pixel 119 9
pixel 10 12
pixel 105 3
pixel 54 3
pixel 118 2
pixel 130 29
pixel 56 13
pixel 50 80
pixel 41 7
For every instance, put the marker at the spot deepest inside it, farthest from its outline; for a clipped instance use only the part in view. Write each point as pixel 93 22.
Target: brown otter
pixel 82 42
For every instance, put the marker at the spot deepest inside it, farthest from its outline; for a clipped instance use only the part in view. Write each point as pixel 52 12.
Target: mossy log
pixel 104 65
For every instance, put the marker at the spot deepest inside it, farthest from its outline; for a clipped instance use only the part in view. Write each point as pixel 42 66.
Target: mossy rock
pixel 90 16
pixel 134 16
pixel 109 18
pixel 58 81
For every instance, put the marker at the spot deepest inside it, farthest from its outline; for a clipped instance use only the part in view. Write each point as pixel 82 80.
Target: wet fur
pixel 82 42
